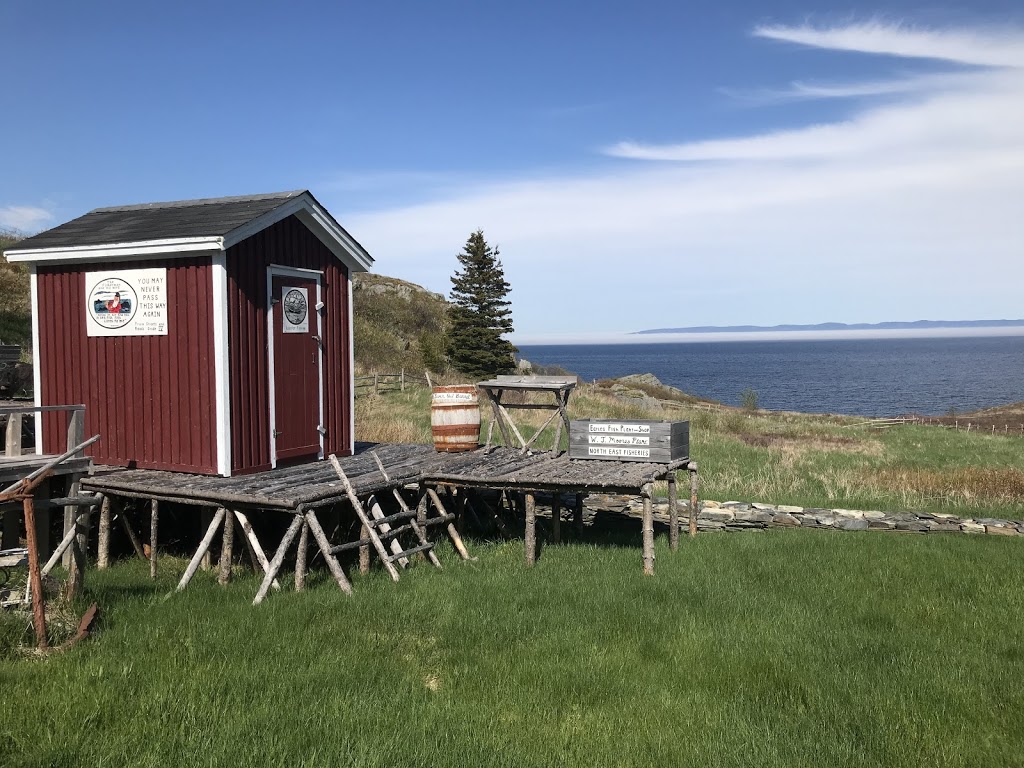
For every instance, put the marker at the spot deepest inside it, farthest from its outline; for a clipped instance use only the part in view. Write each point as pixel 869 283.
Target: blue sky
pixel 640 164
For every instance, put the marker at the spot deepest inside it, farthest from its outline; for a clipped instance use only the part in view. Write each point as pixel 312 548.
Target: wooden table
pixel 560 388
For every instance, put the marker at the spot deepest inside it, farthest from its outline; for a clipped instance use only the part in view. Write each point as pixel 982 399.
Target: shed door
pixel 295 365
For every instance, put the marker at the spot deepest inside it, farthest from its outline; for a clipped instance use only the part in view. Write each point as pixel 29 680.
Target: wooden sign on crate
pixel 657 442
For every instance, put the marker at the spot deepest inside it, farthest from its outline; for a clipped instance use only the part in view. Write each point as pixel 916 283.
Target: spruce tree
pixel 480 313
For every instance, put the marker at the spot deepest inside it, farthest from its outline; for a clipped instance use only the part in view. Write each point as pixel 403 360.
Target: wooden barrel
pixel 455 418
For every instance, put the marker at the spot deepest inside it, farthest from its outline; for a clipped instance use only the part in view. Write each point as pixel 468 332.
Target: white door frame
pixel 276 270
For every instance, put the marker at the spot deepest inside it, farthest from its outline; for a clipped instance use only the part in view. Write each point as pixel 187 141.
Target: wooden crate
pixel 657 442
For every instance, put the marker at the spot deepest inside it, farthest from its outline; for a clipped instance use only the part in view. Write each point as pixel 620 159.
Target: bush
pixel 748 399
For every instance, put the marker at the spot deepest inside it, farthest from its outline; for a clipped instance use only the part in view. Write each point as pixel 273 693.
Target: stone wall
pixel 744 516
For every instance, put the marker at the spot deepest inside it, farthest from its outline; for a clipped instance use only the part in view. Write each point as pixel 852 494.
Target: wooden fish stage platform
pixel 381 475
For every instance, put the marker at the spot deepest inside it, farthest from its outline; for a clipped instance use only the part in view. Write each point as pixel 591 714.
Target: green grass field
pixel 785 648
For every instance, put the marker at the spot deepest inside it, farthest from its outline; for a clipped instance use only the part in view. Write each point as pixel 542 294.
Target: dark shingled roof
pixel 214 217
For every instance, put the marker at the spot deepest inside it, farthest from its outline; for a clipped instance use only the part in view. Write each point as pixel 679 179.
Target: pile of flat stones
pixel 745 516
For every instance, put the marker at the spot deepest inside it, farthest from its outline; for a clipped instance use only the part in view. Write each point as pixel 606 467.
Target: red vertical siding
pixel 149 397
pixel 290 244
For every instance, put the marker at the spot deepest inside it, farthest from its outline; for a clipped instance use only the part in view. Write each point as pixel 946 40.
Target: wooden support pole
pixel 75 435
pixel 154 524
pixel 357 507
pixel 256 553
pixel 58 553
pixel 692 467
pixel 42 518
pixel 577 515
pixel 275 564
pixel 12 442
pixel 364 551
pixel 648 530
pixel 79 531
pixel 556 518
pixel 673 513
pixel 130 532
pixel 300 557
pixel 417 528
pixel 531 529
pixel 452 531
pixel 206 515
pixel 204 548
pixel 35 580
pixel 325 549
pixel 227 550
pixel 103 546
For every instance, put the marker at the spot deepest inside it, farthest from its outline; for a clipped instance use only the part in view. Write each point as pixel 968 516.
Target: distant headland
pixel 915 325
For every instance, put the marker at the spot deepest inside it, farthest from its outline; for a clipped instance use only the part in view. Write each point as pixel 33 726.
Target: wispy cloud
pixel 985 47
pixel 803 91
pixel 920 193
pixel 24 218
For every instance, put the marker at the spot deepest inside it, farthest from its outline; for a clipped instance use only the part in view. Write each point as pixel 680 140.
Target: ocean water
pixel 870 377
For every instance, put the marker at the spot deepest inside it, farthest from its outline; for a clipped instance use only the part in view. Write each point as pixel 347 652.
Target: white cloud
pixel 908 209
pixel 24 218
pixel 992 47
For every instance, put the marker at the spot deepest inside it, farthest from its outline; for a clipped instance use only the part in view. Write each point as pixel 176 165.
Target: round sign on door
pixel 295 317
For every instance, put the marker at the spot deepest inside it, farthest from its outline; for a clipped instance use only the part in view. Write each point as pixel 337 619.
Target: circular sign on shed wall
pixel 295 310
pixel 112 303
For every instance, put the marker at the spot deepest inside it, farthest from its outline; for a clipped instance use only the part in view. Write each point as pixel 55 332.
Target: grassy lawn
pixel 788 458
pixel 785 648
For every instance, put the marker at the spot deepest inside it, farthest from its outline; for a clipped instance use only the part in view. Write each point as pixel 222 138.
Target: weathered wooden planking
pixel 316 484
pixel 655 442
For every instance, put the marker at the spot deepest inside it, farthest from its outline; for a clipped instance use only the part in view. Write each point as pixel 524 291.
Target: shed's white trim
pixel 351 372
pixel 141 249
pixel 318 221
pixel 37 373
pixel 221 361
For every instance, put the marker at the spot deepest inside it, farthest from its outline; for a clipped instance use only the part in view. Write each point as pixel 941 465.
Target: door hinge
pixel 276 433
pixel 321 430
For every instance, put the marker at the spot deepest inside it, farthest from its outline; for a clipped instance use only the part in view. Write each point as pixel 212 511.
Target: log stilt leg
pixel 275 564
pixel 325 550
pixel 203 550
pixel 452 532
pixel 364 551
pixel 103 546
pixel 227 550
pixel 673 513
pixel 556 518
pixel 76 574
pixel 154 524
pixel 692 466
pixel 648 530
pixel 58 554
pixel 577 515
pixel 531 529
pixel 122 515
pixel 35 580
pixel 300 557
pixel 206 515
pixel 256 553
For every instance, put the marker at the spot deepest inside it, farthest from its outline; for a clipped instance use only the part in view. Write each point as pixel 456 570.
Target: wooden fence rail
pixel 378 383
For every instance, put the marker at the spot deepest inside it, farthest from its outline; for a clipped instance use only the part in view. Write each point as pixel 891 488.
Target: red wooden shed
pixel 208 336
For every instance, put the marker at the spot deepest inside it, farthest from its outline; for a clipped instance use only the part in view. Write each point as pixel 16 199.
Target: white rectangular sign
pixel 294 310
pixel 622 429
pixel 127 302
pixel 618 440
pixel 640 453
